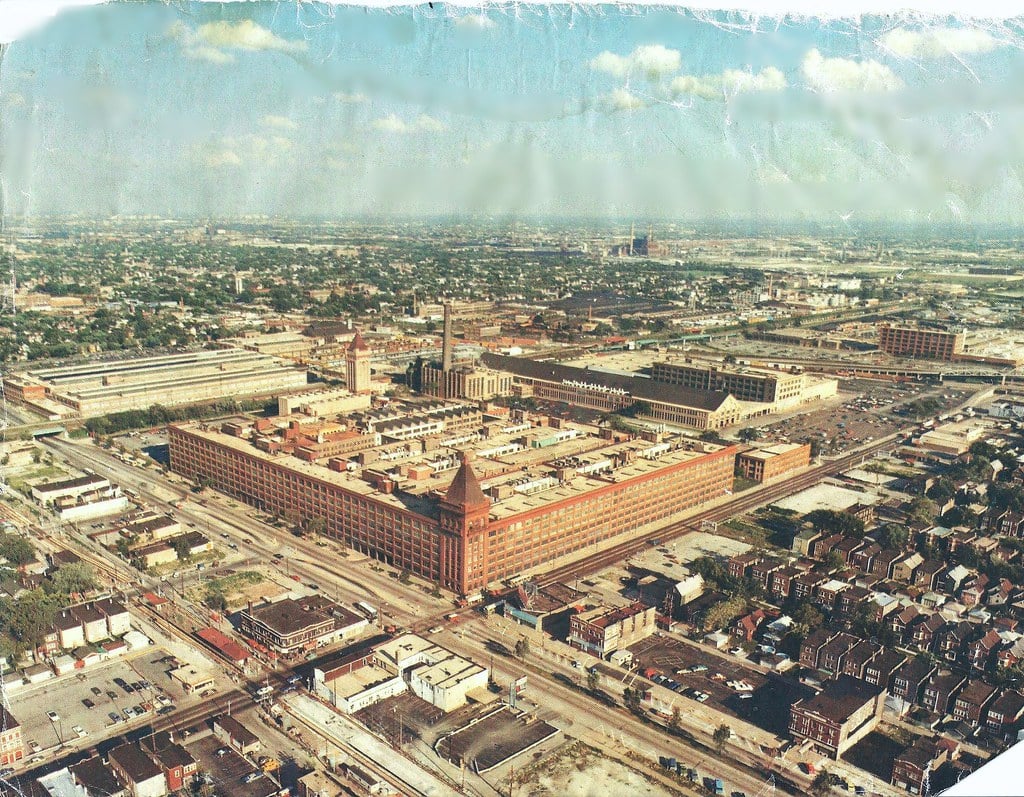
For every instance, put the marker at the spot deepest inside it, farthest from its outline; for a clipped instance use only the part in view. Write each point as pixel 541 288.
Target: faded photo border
pixel 19 18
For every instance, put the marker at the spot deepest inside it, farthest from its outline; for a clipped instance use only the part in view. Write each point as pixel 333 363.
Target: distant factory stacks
pixel 643 246
pixel 357 365
pixel 446 340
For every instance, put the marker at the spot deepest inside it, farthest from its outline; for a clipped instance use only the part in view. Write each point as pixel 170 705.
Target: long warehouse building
pixel 535 504
pixel 99 388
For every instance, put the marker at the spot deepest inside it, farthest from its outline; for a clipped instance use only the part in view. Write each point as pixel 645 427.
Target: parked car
pixel 222 751
pixel 252 776
pixel 78 729
pixel 96 691
pixel 53 716
pixel 88 703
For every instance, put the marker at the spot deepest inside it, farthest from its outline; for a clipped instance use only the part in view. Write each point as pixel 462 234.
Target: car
pixel 702 697
pixel 129 713
pixel 53 716
pixel 137 686
pixel 438 629
pixel 146 684
pixel 312 586
pixel 746 696
pixel 79 730
pixel 120 682
pixel 165 710
pixel 860 791
pixel 224 534
pixel 222 751
pixel 252 776
pixel 88 703
pixel 208 692
pixel 699 668
pixel 34 746
pixel 96 691
pixel 736 651
pixel 233 546
pixel 138 711
pixel 36 759
pixel 247 541
pixel 163 700
pixel 128 688
pixel 111 694
pixel 279 556
pixel 294 679
pixel 114 717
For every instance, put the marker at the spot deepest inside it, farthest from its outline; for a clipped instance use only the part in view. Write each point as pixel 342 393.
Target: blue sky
pixel 295 110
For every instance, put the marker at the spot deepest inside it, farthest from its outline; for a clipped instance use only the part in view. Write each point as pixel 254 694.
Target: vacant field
pixel 581 771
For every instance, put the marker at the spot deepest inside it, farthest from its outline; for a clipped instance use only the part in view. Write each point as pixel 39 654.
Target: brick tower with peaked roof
pixel 357 365
pixel 464 514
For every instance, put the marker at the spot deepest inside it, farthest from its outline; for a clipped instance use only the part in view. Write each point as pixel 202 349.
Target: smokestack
pixel 446 344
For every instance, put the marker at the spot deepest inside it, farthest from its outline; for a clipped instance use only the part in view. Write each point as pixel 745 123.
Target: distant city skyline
pixel 316 111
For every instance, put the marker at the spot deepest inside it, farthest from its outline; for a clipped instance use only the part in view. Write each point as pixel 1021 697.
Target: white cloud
pixel 843 74
pixel 938 42
pixel 475 22
pixel 395 124
pixel 279 122
pixel 347 97
pixel 653 61
pixel 430 124
pixel 391 124
pixel 624 100
pixel 234 151
pixel 213 41
pixel 729 83
pixel 219 157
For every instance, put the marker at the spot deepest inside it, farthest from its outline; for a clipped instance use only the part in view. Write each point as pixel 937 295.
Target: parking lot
pixel 66 697
pixel 228 771
pixel 767 706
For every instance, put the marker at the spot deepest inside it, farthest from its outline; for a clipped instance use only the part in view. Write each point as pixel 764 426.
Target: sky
pixel 298 110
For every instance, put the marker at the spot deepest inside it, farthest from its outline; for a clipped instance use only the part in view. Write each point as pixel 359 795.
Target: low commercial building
pixel 603 630
pixel 289 626
pixel 839 716
pixel 321 403
pixel 235 735
pixel 771 462
pixel 191 679
pixel 408 662
pixel 51 492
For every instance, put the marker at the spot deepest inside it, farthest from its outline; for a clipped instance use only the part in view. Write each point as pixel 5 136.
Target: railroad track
pixel 741 503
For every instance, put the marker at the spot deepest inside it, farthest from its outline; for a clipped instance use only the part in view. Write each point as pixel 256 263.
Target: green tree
pixel 721 735
pixel 834 561
pixel 673 720
pixel 182 547
pixel 722 613
pixel 822 784
pixel 16 550
pixel 835 522
pixel 921 510
pixel 77 577
pixel 893 536
pixel 522 647
pixel 216 601
pixel 593 679
pixel 31 617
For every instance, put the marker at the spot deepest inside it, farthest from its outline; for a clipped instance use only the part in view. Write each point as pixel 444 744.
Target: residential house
pixel 178 764
pixel 902 620
pixel 928 574
pixel 999 594
pixel 923 633
pixel 882 604
pixel 856 659
pixel 908 682
pixel 937 695
pixel 882 564
pixel 849 599
pixel 782 581
pixel 746 626
pixel 823 546
pixel 12 745
pixel 739 566
pixel 955 578
pixel 830 657
pixel 973 592
pixel 912 768
pixel 762 571
pixel 812 645
pixel 846 548
pixel 140 774
pixel 1011 653
pixel 981 652
pixel 1004 712
pixel 951 641
pixel 230 731
pixel 970 704
pixel 903 569
pixel 835 719
pixel 827 594
pixel 864 556
pixel 880 668
pixel 804 586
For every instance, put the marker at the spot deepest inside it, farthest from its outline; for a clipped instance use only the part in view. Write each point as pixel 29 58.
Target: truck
pixel 367 610
pixel 714 785
pixel 263 691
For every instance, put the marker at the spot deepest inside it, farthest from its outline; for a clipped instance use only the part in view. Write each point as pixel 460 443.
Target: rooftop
pixel 840 698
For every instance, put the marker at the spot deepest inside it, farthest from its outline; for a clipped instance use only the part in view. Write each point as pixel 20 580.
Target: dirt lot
pixel 494 739
pixel 581 771
pixel 767 708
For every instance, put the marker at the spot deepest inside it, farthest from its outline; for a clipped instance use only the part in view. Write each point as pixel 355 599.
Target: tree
pixel 893 536
pixel 921 510
pixel 16 550
pixel 749 433
pixel 522 647
pixel 835 522
pixel 182 547
pixel 822 784
pixel 673 720
pixel 316 525
pixel 834 561
pixel 77 577
pixel 31 618
pixel 593 679
pixel 721 735
pixel 722 613
pixel 216 601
